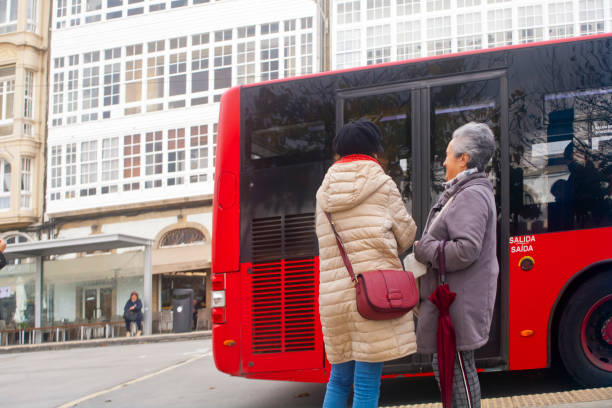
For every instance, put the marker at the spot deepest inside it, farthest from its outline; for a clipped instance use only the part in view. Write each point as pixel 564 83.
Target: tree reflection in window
pixel 182 236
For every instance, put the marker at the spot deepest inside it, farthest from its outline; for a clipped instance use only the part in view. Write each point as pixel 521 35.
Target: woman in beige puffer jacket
pixel 374 225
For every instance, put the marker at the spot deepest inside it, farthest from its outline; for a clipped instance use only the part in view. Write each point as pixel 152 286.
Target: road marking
pixel 534 400
pixel 134 381
pixel 205 352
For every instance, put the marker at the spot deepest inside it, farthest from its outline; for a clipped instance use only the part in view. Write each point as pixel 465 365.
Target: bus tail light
pixel 218 298
pixel 218 281
pixel 218 315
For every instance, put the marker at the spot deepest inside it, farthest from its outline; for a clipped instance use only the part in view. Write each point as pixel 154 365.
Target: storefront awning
pixel 99 242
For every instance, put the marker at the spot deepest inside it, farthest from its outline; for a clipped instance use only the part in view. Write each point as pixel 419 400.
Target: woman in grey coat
pixel 465 216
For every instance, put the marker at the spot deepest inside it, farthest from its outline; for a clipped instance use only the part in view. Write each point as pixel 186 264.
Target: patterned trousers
pixel 466 387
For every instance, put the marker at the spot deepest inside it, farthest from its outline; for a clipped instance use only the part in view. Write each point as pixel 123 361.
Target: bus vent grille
pixel 283 237
pixel 283 306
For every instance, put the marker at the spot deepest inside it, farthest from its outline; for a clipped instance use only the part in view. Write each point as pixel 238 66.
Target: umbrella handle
pixel 442 261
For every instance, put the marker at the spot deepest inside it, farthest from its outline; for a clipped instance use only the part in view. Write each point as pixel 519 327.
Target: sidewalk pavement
pixel 156 338
pixel 581 398
pixel 592 404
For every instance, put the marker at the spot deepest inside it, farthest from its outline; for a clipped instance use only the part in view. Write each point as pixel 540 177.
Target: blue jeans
pixel 366 380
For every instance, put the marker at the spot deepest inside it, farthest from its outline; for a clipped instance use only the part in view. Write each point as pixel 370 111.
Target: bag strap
pixel 345 258
pixel 442 261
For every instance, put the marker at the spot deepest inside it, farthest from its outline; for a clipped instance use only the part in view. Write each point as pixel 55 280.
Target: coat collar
pixel 453 188
pixel 355 157
pixel 461 183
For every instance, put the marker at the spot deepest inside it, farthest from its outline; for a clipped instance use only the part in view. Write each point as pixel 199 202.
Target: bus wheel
pixel 585 333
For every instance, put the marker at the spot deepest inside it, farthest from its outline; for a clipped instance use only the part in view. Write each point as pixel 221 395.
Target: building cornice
pixel 132 209
pixel 24 39
pixel 12 221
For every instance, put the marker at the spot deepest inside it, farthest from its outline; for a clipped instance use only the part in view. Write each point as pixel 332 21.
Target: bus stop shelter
pixel 39 250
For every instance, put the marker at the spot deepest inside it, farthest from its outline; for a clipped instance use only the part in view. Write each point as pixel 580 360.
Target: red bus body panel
pixel 226 201
pixel 226 231
pixel 557 258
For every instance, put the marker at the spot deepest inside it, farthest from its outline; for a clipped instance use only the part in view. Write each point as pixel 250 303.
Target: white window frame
pixel 408 7
pixel 55 172
pixel 437 5
pixel 199 139
pixel 10 11
pixel 109 165
pixel 591 17
pixel 71 166
pixel 28 95
pixel 378 44
pixel 5 184
pixel 176 142
pixel 469 31
pixel 270 58
pixel 32 21
pixel 499 31
pixel 378 9
pixel 7 95
pixel 348 11
pixel 25 185
pixel 530 24
pixel 132 143
pixel 348 48
pixel 560 20
pixel 88 180
pixel 135 66
pixel 153 159
pixel 409 39
pixel 439 41
pixel 289 55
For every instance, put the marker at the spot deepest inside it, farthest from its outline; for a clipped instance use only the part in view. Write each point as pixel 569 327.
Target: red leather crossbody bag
pixel 381 294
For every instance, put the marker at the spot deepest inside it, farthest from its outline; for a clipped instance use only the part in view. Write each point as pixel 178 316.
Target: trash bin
pixel 182 308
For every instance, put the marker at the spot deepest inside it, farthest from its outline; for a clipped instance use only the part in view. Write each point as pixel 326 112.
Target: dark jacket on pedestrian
pixel 468 223
pixel 137 310
pixel 2 260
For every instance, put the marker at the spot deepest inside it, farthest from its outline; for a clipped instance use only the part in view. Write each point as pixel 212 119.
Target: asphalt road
pixel 182 374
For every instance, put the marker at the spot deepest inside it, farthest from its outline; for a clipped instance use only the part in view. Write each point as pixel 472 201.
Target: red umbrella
pixel 442 297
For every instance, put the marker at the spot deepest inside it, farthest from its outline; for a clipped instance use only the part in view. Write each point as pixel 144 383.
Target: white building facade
pixel 366 32
pixel 135 87
pixel 134 99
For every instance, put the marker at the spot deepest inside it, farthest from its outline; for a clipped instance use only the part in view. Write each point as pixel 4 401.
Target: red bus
pixel 550 106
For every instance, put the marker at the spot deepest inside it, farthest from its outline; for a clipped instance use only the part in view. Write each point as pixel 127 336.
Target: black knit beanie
pixel 359 137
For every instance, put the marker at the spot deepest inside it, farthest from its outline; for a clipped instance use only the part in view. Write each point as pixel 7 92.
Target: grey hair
pixel 477 140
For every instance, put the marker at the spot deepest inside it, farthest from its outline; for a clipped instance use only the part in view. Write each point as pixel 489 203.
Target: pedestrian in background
pixel 465 216
pixel 132 312
pixel 369 215
pixel 2 248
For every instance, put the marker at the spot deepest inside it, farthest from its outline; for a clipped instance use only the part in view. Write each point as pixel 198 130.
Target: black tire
pixel 585 352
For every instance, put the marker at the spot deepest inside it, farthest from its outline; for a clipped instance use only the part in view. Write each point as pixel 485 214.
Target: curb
pixel 117 341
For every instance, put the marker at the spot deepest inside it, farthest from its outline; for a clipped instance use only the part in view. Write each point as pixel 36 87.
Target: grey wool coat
pixel 469 226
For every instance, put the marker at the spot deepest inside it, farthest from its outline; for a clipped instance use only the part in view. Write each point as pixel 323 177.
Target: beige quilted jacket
pixel 372 220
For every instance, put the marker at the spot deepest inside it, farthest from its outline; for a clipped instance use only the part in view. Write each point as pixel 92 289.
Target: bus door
pixel 417 120
pixel 452 102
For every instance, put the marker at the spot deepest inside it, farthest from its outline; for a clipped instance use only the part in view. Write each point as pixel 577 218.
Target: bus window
pixel 453 106
pixel 297 139
pixel 392 113
pixel 288 124
pixel 565 169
